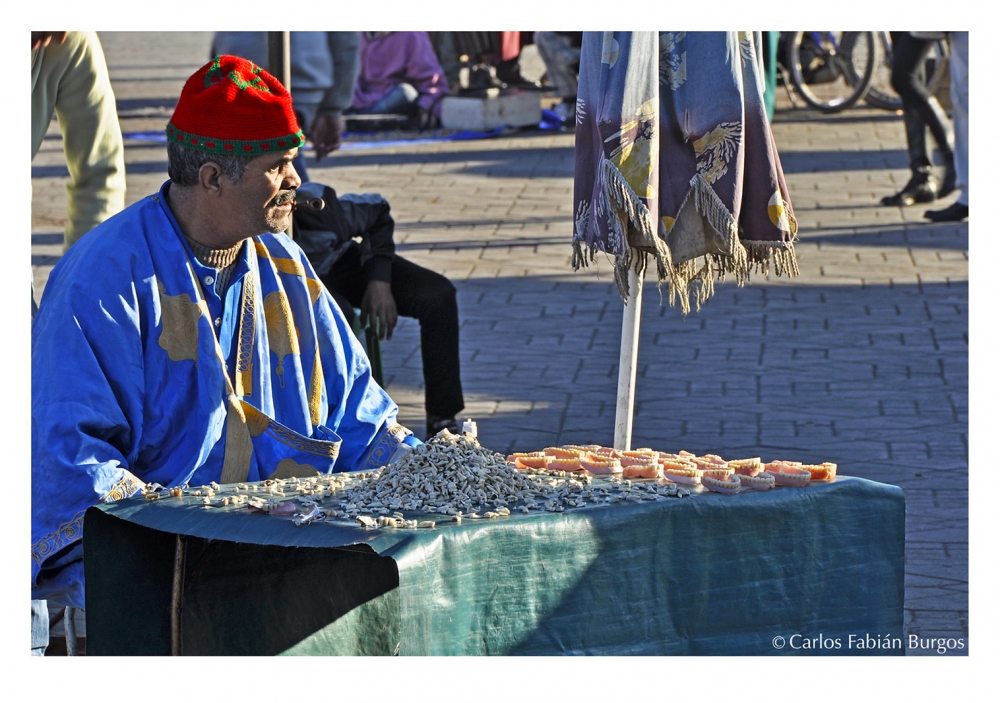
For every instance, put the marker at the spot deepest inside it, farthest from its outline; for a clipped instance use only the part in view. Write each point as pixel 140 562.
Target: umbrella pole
pixel 627 361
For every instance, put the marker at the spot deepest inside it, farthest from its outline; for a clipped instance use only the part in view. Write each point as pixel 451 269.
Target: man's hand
pixel 325 134
pixel 378 304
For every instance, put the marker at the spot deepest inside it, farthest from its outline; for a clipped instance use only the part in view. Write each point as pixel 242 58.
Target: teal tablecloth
pixel 707 574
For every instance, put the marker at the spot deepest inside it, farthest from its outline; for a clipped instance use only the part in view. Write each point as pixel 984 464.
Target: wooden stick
pixel 176 597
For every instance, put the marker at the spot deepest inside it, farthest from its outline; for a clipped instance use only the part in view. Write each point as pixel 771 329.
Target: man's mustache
pixel 284 196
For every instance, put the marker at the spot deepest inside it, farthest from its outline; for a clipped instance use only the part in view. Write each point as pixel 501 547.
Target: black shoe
pixel 919 189
pixel 435 425
pixel 956 212
pixel 510 73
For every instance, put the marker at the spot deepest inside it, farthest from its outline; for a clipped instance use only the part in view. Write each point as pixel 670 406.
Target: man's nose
pixel 292 179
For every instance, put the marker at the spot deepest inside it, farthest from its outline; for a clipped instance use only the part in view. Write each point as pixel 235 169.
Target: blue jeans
pixel 959 44
pixel 401 100
pixel 39 627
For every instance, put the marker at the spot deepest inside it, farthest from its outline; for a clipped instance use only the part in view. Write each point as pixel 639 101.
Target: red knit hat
pixel 231 106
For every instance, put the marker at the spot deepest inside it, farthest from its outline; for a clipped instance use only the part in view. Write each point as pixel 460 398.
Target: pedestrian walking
pixel 921 112
pixel 958 43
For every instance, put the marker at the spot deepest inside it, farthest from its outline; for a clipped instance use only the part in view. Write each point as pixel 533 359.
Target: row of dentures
pixel 710 470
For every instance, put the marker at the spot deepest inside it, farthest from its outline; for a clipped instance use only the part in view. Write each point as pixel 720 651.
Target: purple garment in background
pixel 399 57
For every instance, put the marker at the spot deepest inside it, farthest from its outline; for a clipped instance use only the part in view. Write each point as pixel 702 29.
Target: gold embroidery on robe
pixel 293 267
pixel 287 468
pixel 257 421
pixel 384 447
pixel 282 337
pixel 316 382
pixel 128 486
pixel 244 357
pixel 51 543
pixel 291 438
pixel 239 447
pixel 179 317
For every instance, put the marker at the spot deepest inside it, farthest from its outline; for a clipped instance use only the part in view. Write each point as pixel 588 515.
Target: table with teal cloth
pixel 708 574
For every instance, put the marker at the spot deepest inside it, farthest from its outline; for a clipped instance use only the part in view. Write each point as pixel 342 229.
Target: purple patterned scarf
pixel 675 159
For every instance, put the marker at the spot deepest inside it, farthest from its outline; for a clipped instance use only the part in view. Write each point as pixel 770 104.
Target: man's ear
pixel 210 178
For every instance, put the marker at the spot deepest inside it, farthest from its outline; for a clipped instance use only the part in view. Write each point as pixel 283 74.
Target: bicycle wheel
pixel 881 93
pixel 831 70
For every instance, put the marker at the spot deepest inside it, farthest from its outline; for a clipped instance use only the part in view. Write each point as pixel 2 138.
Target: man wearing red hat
pixel 188 340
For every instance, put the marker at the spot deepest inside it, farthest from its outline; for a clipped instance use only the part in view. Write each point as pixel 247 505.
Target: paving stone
pixel 862 360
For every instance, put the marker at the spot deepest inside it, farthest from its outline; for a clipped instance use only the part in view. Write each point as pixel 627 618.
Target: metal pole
pixel 279 65
pixel 627 361
pixel 279 57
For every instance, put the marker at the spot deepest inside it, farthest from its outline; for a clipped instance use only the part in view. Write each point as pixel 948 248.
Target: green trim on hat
pixel 244 147
pixel 214 75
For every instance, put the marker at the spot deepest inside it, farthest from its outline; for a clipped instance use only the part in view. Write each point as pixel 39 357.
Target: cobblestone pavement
pixel 861 360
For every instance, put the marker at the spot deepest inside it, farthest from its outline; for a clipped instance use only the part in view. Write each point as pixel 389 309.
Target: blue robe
pixel 142 373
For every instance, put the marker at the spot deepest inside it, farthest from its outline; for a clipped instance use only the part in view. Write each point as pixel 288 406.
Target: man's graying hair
pixel 183 164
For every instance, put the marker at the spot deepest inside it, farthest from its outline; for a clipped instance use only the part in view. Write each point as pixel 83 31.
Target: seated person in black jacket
pixel 369 276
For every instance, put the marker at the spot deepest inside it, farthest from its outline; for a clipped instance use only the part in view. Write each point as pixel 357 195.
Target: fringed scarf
pixel 675 159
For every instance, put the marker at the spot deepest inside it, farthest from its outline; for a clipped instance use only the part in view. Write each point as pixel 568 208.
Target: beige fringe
pixel 776 256
pixel 721 220
pixel 696 278
pixel 615 187
pixel 693 279
pixel 579 259
pixel 625 210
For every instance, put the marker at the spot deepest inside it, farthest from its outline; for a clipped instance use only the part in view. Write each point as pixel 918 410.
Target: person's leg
pixel 427 297
pixel 561 63
pixel 910 81
pixel 959 210
pixel 908 77
pixel 401 100
pixel 959 44
pixel 39 627
pixel 447 56
pixel 430 298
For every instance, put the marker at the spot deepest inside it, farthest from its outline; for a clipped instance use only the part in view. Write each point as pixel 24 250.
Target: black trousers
pixel 921 110
pixel 426 296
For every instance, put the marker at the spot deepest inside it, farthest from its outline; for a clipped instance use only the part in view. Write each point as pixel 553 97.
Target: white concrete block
pixel 481 114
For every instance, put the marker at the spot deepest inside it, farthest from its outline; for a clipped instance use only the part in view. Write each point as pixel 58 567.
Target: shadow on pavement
pixel 831 161
pixel 950 236
pixel 846 117
pixel 819 373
